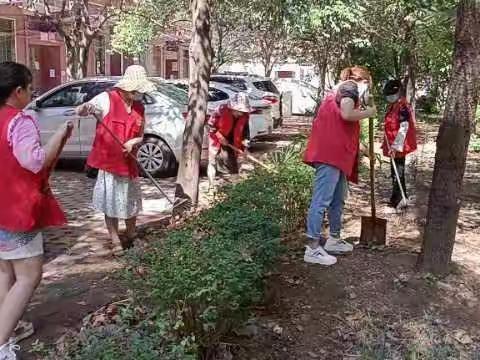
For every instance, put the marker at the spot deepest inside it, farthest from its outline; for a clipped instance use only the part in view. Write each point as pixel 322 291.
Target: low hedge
pixel 199 282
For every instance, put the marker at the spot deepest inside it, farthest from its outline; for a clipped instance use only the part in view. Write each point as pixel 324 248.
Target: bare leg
pixel 7 278
pixel 28 273
pixel 112 227
pixel 131 225
pixel 211 172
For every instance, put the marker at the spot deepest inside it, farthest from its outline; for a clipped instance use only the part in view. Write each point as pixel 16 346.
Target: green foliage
pixel 199 282
pixel 132 34
pixel 205 276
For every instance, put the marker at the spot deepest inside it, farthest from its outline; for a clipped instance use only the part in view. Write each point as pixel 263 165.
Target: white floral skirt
pixel 117 196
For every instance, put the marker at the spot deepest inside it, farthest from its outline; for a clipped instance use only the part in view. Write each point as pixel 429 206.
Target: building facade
pixel 24 38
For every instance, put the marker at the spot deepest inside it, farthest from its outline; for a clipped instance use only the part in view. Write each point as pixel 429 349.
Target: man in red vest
pixel 227 127
pixel 400 136
pixel 333 150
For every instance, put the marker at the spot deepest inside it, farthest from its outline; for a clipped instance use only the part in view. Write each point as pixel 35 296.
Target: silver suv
pixel 165 111
pixel 257 86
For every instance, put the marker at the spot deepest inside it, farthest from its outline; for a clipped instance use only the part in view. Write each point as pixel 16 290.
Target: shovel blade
pixel 374 231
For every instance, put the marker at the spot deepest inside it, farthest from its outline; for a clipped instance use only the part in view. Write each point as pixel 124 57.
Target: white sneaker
pixel 319 256
pixel 338 246
pixel 7 351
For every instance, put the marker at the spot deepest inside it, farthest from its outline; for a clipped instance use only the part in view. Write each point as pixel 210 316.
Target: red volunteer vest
pixel 392 125
pixel 106 153
pixel 223 121
pixel 27 201
pixel 333 140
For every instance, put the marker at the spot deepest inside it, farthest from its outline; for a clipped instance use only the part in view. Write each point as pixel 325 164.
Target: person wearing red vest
pixel 117 192
pixel 227 126
pixel 333 150
pixel 28 205
pixel 400 136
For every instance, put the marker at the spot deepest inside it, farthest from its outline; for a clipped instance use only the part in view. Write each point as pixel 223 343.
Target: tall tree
pixel 201 55
pixel 452 142
pixel 78 22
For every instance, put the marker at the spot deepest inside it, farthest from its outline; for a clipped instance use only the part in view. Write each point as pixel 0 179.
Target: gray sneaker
pixel 338 246
pixel 318 256
pixel 7 351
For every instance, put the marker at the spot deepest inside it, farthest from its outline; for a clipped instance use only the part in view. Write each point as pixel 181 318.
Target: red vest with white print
pixel 27 202
pixel 392 126
pixel 333 140
pixel 222 121
pixel 107 154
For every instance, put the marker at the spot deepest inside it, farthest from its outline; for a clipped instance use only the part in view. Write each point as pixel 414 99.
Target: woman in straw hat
pixel 227 126
pixel 117 192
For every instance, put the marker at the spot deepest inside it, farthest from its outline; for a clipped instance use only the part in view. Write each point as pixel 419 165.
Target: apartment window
pixel 100 56
pixel 7 40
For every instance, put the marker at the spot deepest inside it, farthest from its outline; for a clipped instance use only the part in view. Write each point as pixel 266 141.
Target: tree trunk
pixel 77 57
pixel 200 67
pixel 452 143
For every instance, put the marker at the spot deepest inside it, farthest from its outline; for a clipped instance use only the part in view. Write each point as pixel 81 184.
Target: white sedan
pixel 165 110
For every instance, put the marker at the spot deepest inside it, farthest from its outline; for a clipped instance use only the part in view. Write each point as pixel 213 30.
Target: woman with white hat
pixel 117 192
pixel 227 126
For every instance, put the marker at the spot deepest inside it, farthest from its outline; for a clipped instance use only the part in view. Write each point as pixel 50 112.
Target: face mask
pixel 137 97
pixel 363 93
pixel 392 98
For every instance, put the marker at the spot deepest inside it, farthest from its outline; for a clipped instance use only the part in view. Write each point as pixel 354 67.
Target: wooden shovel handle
pixel 372 167
pixel 251 158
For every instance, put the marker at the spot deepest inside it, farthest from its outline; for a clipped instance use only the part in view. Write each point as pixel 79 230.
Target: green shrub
pixel 204 277
pixel 200 280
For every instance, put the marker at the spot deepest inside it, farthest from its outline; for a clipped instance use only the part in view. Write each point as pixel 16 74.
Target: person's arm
pixel 131 144
pixel 350 113
pixel 56 143
pixel 24 139
pixel 213 127
pixel 99 105
pixel 399 141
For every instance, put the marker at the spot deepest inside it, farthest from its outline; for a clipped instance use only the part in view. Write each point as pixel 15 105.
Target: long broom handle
pixel 252 158
pixel 372 168
pixel 395 169
pixel 151 178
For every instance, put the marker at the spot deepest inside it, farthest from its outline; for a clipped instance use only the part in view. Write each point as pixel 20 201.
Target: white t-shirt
pixel 102 103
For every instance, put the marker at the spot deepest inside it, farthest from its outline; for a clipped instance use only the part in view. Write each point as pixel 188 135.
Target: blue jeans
pixel 329 189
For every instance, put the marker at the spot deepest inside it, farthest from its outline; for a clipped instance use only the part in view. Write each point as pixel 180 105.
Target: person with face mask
pixel 227 126
pixel 117 192
pixel 400 136
pixel 333 150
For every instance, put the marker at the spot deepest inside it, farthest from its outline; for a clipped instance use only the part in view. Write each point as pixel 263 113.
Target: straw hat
pixel 135 79
pixel 240 102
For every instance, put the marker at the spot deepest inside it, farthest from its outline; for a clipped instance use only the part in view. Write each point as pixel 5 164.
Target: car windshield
pixel 172 91
pixel 266 86
pixel 238 83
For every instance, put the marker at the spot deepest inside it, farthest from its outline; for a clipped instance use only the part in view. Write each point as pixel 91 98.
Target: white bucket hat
pixel 240 102
pixel 135 79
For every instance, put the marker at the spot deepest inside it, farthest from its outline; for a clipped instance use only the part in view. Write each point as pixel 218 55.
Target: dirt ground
pixel 371 305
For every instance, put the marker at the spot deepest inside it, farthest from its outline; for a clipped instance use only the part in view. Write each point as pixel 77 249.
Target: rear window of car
pixel 266 86
pixel 216 95
pixel 172 91
pixel 238 83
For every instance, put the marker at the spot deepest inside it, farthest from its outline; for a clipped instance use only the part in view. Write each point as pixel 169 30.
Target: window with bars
pixel 7 40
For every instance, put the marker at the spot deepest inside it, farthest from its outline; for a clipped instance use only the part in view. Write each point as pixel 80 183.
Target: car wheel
pixel 156 157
